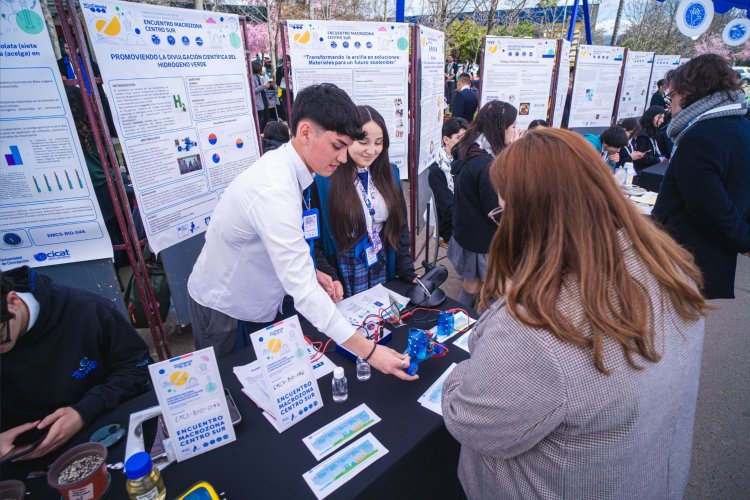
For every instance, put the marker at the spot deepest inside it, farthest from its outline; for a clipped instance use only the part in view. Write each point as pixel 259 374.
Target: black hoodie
pixel 81 352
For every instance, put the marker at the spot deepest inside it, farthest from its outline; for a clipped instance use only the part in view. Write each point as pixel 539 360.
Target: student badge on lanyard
pixel 368 196
pixel 310 223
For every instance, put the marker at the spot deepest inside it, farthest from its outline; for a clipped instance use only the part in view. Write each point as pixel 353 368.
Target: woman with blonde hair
pixel 584 367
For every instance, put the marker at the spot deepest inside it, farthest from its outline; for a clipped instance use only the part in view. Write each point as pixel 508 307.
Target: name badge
pixel 371 255
pixel 311 224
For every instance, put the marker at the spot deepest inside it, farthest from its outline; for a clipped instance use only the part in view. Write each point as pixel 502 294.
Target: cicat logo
pixel 53 255
pixel 85 366
pixel 99 9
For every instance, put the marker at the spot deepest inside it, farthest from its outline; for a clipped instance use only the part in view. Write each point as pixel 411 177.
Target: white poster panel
pixel 635 79
pixel 519 71
pixel 597 77
pixel 368 60
pixel 49 213
pixel 179 92
pixel 432 94
pixel 662 64
pixel 563 77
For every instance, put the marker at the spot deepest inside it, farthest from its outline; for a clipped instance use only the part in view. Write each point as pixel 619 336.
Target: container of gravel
pixel 81 472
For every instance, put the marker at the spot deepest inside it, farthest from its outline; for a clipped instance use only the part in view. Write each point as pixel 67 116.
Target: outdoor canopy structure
pixel 722 6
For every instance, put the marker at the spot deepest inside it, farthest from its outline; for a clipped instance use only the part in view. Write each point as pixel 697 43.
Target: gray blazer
pixel 537 420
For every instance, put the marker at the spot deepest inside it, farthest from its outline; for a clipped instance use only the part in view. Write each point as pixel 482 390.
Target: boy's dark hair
pixel 703 76
pixel 464 78
pixel 329 107
pixel 276 131
pixel 538 123
pixel 256 67
pixel 615 137
pixel 6 286
pixel 661 83
pixel 19 279
pixel 632 125
pixel 454 125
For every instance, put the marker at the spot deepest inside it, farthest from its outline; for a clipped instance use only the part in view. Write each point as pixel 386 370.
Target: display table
pixel 421 463
pixel 650 178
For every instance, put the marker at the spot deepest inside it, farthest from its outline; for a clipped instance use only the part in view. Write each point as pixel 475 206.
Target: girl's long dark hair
pixel 492 121
pixel 347 219
pixel 647 121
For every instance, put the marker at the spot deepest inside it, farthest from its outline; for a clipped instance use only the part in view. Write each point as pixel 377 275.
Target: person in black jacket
pixel 465 102
pixel 704 200
pixel 659 97
pixel 441 178
pixel 274 136
pixel 648 143
pixel 475 203
pixel 68 355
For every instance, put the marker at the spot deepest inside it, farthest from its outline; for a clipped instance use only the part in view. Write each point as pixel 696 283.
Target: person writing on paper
pixel 609 144
pixel 67 355
pixel 256 249
pixel 369 246
pixel 584 368
pixel 704 200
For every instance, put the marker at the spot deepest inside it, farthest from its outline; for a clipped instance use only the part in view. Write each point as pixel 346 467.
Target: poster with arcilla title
pixel 368 60
pixel 49 213
pixel 519 71
pixel 177 84
pixel 432 94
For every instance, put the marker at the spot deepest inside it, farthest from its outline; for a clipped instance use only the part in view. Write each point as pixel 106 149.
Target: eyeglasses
pixel 670 93
pixel 495 215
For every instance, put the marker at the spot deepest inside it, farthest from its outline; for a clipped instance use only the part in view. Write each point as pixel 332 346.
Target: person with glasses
pixel 474 198
pixel 585 363
pixel 67 356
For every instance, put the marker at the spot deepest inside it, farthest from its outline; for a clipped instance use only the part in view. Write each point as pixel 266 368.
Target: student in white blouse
pixel 256 252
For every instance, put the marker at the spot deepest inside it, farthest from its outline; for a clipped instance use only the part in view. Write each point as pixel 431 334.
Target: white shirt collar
pixel 33 306
pixel 304 177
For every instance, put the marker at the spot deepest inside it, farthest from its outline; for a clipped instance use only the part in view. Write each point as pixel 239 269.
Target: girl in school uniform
pixel 364 232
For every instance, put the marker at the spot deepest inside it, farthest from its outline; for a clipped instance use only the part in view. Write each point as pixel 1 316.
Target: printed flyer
pixel 432 96
pixel 597 77
pixel 191 397
pixel 563 78
pixel 519 71
pixel 287 371
pixel 49 213
pixel 368 60
pixel 179 91
pixel 634 94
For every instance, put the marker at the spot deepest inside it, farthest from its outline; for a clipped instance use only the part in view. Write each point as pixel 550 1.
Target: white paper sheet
pixel 462 342
pixel 329 475
pixel 432 398
pixel 339 432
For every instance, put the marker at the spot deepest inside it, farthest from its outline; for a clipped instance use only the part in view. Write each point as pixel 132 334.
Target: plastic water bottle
pixel 445 324
pixel 338 385
pixel 620 176
pixel 363 369
pixel 629 173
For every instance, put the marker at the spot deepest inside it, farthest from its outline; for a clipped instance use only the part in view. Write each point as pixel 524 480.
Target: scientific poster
pixel 662 64
pixel 634 94
pixel 597 77
pixel 432 95
pixel 563 79
pixel 368 60
pixel 519 71
pixel 178 88
pixel 49 213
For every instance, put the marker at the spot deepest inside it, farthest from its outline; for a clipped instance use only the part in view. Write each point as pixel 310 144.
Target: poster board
pixel 633 95
pixel 662 65
pixel 49 213
pixel 561 87
pixel 178 87
pixel 597 77
pixel 368 60
pixel 519 71
pixel 431 95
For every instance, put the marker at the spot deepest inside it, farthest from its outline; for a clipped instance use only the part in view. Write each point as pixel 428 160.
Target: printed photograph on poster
pixel 595 84
pixel 180 100
pixel 368 60
pixel 49 212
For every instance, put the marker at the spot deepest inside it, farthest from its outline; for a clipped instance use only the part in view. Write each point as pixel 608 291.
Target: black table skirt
pixel 421 462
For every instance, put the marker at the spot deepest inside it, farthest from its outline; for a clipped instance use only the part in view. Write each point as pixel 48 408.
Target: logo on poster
pixel 12 239
pixel 53 255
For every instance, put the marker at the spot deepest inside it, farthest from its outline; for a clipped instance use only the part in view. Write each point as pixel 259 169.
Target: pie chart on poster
pixel 216 158
pixel 212 139
pixel 239 143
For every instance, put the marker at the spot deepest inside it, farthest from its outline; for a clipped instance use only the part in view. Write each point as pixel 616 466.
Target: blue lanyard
pixel 364 178
pixel 306 208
